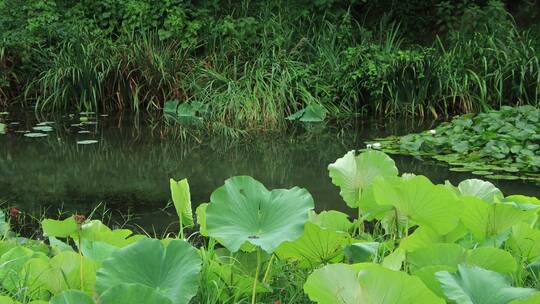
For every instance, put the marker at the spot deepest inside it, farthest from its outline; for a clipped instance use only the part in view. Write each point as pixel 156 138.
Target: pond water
pixel 127 171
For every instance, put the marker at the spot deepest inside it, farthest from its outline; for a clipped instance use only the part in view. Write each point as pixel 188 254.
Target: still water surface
pixel 128 170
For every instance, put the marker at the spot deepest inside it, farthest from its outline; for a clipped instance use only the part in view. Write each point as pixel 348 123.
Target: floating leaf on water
pixel 35 134
pixel 14 123
pixel 480 172
pixel 4 113
pixel 104 115
pixel 84 132
pixel 460 169
pixel 76 125
pixel 503 176
pixel 43 128
pixel 83 118
pixel 87 142
pixel 87 113
pixel 89 123
pixel 45 123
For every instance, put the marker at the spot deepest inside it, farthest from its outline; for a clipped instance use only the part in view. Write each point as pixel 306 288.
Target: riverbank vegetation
pixel 413 242
pixel 250 64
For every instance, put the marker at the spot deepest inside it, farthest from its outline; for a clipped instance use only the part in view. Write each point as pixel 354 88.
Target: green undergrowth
pixel 252 64
pixel 412 242
pixel 502 144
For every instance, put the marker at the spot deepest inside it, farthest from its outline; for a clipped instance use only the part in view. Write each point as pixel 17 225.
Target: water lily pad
pixel 45 123
pixel 460 169
pixel 84 132
pixel 87 142
pixel 35 134
pixel 43 128
pixel 480 172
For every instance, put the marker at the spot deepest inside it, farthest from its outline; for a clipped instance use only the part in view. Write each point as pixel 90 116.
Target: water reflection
pixel 130 165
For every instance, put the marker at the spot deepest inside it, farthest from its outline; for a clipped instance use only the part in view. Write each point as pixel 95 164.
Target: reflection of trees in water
pixel 131 165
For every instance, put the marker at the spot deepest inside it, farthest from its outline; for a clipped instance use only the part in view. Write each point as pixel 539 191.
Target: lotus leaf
pixel 72 297
pixel 489 220
pixel 171 271
pixel 316 246
pixel 366 284
pixel 421 202
pixel 133 293
pixel 354 172
pixel 475 285
pixel 481 189
pixel 243 210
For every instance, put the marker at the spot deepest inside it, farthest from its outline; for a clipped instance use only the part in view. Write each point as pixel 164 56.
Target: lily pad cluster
pixel 503 144
pixel 413 242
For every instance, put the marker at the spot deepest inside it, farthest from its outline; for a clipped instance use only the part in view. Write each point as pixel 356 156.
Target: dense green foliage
pixel 492 144
pixel 413 242
pixel 250 64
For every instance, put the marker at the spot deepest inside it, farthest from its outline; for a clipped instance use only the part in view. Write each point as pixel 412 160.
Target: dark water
pixel 128 170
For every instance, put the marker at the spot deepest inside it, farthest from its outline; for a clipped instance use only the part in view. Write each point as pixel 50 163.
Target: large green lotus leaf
pixel 427 275
pixel 182 201
pixel 11 266
pixel 475 285
pixel 383 286
pixel 65 273
pixel 425 236
pixel 172 271
pixel 243 210
pixel 334 284
pixel 63 228
pixel 333 220
pixel 369 207
pixel 72 297
pixel 354 172
pixel 436 254
pixel 488 220
pixel 394 261
pixel 422 202
pixel 525 242
pixel 523 200
pixel 452 255
pixel 316 246
pixel 34 273
pixel 493 259
pixel 481 189
pixel 95 230
pixel 534 299
pixel 133 293
pixel 97 251
pixel 231 277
